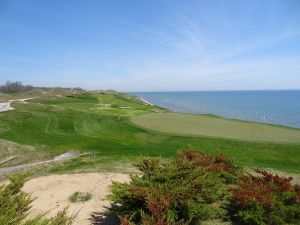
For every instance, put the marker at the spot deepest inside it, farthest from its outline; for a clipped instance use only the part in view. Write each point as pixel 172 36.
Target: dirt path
pixel 12 169
pixel 53 191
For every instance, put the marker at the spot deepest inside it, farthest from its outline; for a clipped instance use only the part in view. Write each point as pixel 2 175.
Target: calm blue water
pixel 278 107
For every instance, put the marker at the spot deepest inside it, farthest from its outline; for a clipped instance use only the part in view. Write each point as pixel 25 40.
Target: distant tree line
pixel 17 87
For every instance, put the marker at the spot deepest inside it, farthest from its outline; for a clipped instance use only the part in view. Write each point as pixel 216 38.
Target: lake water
pixel 275 107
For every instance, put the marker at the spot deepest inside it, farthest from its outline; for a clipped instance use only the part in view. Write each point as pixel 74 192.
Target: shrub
pixel 14 206
pixel 194 187
pixel 14 203
pixel 186 190
pixel 265 199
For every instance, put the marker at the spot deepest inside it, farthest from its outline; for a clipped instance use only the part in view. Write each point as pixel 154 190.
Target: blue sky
pixel 157 45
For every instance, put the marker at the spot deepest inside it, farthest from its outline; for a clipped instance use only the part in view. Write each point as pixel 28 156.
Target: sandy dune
pixel 53 193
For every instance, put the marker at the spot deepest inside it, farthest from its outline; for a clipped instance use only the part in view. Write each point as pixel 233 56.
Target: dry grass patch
pixel 12 153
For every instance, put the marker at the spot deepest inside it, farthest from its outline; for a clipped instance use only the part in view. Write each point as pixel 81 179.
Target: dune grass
pixel 100 122
pixel 80 197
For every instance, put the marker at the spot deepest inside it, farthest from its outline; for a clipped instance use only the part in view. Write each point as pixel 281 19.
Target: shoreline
pixel 145 101
pixel 261 120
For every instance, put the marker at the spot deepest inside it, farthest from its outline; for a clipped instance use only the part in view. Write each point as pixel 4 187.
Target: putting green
pixel 212 126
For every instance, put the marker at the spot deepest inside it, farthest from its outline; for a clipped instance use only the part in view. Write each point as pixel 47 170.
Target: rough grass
pixel 212 126
pixel 12 154
pixel 60 123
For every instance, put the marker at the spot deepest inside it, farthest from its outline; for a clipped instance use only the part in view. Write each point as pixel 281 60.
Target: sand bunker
pixel 5 106
pixel 53 191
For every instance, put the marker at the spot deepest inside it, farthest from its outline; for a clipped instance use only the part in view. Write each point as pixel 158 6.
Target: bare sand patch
pixel 53 191
pixel 5 106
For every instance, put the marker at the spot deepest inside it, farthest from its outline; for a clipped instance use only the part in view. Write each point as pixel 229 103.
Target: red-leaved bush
pixel 261 189
pixel 265 199
pixel 215 164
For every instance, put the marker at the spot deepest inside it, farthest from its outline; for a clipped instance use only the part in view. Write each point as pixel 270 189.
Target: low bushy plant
pixel 186 190
pixel 194 187
pixel 80 197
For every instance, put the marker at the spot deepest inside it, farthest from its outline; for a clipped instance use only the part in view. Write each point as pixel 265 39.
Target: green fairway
pixel 212 126
pixel 58 122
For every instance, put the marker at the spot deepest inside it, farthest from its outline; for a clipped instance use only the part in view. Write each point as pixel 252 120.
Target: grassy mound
pixel 12 154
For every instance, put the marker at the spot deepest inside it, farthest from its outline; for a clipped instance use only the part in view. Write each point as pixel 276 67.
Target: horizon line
pixel 237 90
